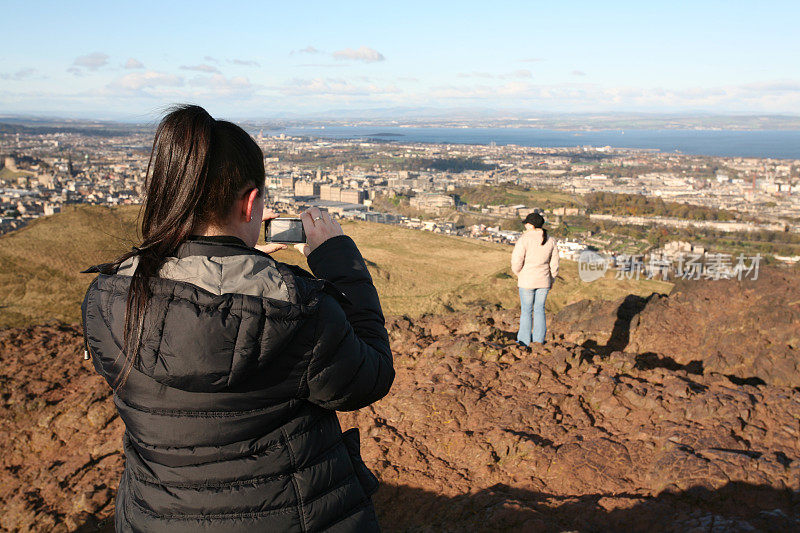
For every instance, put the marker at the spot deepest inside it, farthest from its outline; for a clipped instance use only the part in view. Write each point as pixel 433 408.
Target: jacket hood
pixel 219 314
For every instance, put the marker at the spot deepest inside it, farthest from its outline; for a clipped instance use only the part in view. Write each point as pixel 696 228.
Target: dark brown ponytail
pixel 198 166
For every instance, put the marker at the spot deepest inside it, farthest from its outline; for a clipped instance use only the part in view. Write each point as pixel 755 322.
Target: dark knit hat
pixel 534 218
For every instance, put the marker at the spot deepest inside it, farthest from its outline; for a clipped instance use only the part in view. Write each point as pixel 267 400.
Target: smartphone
pixel 284 230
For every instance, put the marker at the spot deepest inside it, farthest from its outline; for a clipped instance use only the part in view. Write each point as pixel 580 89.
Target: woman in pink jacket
pixel 535 263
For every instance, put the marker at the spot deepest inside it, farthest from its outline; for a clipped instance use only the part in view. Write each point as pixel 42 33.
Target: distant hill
pixel 415 272
pixel 99 130
pixel 40 279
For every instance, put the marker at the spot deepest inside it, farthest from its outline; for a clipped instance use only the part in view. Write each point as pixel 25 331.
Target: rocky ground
pixel 749 329
pixel 62 453
pixel 477 434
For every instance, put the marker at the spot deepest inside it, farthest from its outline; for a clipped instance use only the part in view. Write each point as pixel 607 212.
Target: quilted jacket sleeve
pixel 351 364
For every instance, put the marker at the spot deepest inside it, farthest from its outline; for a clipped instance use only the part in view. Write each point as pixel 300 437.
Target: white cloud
pixel 474 75
pixel 218 85
pixel 322 65
pixel 244 62
pixel 19 75
pixel 578 73
pixel 132 63
pixel 532 60
pixel 519 91
pixel 306 50
pixel 773 86
pixel 138 81
pixel 200 68
pixel 170 87
pixel 91 61
pixel 364 53
pixel 334 87
pixel 776 96
pixel 517 74
pixel 212 59
pixel 482 92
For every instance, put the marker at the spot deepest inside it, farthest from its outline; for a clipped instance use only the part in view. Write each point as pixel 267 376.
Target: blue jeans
pixel 532 303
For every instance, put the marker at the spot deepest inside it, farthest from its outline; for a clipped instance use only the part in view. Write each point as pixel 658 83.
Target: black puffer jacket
pixel 229 412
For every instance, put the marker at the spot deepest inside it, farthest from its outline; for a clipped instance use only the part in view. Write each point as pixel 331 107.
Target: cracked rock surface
pixel 746 328
pixel 477 433
pixel 570 438
pixel 61 436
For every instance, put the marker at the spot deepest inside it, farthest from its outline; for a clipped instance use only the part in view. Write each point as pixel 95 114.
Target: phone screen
pixel 285 230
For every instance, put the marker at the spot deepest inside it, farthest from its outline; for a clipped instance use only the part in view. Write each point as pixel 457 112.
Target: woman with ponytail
pixel 227 366
pixel 535 263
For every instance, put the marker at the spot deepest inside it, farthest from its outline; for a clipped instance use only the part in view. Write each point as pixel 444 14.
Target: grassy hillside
pixel 40 264
pixel 415 272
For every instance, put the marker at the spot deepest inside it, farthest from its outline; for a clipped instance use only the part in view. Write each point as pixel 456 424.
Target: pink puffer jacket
pixel 535 264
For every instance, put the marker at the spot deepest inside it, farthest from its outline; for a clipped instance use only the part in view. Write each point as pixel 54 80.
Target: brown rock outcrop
pixel 567 437
pixel 61 436
pixel 749 329
pixel 476 435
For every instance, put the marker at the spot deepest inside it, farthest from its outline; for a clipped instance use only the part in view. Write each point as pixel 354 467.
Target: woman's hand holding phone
pixel 319 227
pixel 270 247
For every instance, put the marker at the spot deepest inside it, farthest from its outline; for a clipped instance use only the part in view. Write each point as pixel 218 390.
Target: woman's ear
pixel 247 207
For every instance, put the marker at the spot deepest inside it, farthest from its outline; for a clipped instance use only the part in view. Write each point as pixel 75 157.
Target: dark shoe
pixel 523 345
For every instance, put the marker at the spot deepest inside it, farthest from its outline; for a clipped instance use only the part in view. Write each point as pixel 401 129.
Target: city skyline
pixel 261 61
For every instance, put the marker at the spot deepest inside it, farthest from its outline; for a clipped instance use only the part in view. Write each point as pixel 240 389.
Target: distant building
pixel 568 211
pixel 432 201
pixel 306 188
pixel 676 248
pixel 570 249
pixel 353 196
pixel 385 218
pixel 332 193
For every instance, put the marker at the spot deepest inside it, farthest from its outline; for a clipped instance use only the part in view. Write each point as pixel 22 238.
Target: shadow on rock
pixel 734 507
pixel 592 322
pixel 649 361
pixel 631 306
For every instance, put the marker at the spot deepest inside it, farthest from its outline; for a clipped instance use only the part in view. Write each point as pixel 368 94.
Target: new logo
pixel 591 265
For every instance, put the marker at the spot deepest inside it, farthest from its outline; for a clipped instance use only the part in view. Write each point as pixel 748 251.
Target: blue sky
pixel 262 59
